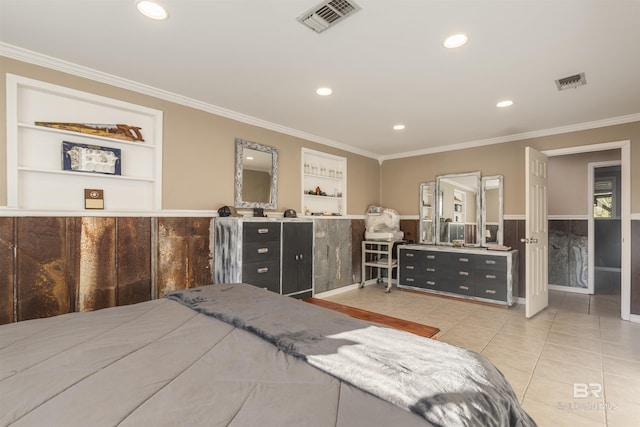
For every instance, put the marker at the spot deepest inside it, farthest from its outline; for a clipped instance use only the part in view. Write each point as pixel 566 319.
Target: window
pixel 604 198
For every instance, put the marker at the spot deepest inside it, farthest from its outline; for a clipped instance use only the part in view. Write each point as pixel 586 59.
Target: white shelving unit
pixel 328 173
pixel 378 254
pixel 35 176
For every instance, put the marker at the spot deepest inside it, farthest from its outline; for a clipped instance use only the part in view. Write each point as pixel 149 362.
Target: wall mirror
pixel 256 175
pixel 458 209
pixel 492 205
pixel 427 212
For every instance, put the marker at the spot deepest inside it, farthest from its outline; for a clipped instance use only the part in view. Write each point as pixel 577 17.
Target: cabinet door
pixel 297 257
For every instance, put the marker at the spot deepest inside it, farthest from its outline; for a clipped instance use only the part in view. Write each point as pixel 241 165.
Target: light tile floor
pixel 577 345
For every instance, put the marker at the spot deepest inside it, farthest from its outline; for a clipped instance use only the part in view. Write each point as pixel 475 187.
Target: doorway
pixel 605 228
pixel 625 211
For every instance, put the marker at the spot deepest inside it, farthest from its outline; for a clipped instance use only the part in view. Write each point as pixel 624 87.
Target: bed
pixel 237 355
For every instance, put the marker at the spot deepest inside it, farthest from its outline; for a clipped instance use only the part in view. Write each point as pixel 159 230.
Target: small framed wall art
pixel 93 199
pixel 91 158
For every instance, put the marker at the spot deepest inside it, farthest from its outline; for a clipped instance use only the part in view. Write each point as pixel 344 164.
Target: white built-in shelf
pixel 328 178
pixel 36 179
pixel 72 134
pixel 75 174
pixel 329 173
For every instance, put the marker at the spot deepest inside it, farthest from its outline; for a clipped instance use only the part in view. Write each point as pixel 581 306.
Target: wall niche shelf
pixel 36 179
pixel 328 173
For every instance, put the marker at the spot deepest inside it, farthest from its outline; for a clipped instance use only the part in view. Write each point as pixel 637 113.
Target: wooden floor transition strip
pixel 393 322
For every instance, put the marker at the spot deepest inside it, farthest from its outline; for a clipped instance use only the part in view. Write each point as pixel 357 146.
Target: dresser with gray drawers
pixel 473 273
pixel 275 254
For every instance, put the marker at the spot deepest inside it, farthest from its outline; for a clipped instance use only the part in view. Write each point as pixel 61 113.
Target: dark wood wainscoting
pixel 57 265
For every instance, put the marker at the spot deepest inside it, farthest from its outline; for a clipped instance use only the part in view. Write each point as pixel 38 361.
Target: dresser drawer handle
pixel 463 273
pixel 466 288
pixel 490 291
pixel 409 254
pixel 409 279
pixel 490 276
pixel 431 257
pixel 489 261
pixel 263 250
pixel 431 283
pixel 263 230
pixel 409 267
pixel 263 270
pixel 463 259
pixel 431 270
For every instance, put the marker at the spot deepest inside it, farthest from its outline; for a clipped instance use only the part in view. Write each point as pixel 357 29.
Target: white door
pixel 536 232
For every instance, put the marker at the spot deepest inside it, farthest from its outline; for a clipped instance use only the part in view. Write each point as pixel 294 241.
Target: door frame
pixel 625 263
pixel 592 166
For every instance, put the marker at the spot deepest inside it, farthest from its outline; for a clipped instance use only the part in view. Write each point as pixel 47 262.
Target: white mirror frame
pixel 500 222
pixel 241 144
pixel 422 228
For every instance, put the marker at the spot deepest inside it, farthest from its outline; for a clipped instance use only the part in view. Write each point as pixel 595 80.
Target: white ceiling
pixel 251 59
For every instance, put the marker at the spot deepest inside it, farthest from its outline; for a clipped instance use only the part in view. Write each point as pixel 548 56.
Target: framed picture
pixel 91 158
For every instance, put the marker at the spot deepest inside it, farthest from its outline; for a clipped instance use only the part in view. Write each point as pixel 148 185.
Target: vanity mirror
pixel 427 212
pixel 256 177
pixel 492 206
pixel 458 209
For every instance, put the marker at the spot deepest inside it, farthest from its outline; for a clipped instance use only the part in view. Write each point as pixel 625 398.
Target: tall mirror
pixel 256 177
pixel 459 209
pixel 427 212
pixel 492 205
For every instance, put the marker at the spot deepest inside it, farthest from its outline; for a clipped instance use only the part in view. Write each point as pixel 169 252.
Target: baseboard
pixel 337 291
pixel 573 289
pixel 635 318
pixel 344 289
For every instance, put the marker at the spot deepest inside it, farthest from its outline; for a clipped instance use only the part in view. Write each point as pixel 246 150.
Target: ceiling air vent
pixel 327 14
pixel 571 82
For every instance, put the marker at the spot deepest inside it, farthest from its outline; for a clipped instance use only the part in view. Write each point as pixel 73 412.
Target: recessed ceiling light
pixel 454 41
pixel 324 91
pixel 152 10
pixel 398 127
pixel 249 158
pixel 505 103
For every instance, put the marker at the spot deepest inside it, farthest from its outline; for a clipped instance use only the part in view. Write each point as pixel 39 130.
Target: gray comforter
pixel 444 384
pixel 161 363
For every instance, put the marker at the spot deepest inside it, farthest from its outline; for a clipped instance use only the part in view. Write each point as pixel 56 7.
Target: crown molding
pixel 36 58
pixel 518 137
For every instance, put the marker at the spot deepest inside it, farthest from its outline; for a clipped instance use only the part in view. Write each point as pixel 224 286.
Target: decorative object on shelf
pixel 119 131
pixel 93 199
pixel 90 158
pixel 499 248
pixel 382 224
pixel 290 213
pixel 227 211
